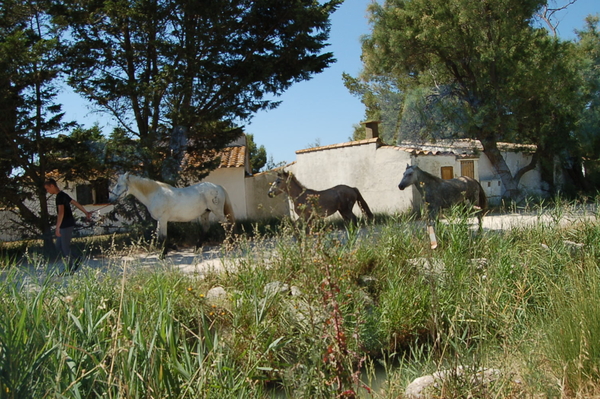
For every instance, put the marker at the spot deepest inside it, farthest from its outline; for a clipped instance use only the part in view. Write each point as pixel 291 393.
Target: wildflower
pixel 211 314
pixel 190 289
pixel 201 295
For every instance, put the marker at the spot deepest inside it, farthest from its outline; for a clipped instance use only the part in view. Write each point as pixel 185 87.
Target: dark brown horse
pixel 438 193
pixel 323 203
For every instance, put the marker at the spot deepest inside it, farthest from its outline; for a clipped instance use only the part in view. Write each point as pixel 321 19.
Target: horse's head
pixel 278 186
pixel 120 188
pixel 410 177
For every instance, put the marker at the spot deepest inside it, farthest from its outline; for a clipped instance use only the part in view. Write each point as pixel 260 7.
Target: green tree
pixel 589 45
pixel 179 74
pixel 29 69
pixel 383 102
pixel 484 67
pixel 258 155
pixel 587 133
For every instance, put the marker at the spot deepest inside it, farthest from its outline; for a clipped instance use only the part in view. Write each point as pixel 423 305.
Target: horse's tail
pixel 363 205
pixel 483 204
pixel 483 201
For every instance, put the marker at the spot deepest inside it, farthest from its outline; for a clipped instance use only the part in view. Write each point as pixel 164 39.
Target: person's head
pixel 51 186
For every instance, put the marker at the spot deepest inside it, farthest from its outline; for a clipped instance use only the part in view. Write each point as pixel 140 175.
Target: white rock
pixel 216 293
pixel 417 388
pixel 432 266
pixel 275 287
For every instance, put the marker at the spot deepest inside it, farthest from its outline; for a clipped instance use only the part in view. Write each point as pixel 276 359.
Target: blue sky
pixel 322 110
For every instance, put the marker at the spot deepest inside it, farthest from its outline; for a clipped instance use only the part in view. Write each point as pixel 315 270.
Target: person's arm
pixel 88 215
pixel 59 218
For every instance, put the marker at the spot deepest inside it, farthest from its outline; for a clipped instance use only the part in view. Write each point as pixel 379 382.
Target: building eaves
pixel 340 145
pixel 275 170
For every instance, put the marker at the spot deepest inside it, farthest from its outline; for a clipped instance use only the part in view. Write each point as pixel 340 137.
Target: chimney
pixel 371 129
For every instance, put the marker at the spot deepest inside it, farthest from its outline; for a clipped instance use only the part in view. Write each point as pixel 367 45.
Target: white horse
pixel 170 204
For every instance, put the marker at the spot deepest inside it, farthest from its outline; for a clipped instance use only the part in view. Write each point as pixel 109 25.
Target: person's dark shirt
pixel 63 198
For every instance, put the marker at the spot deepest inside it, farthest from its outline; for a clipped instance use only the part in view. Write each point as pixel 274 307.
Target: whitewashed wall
pixel 434 163
pixel 375 171
pixel 232 180
pixel 260 206
pixel 248 194
pixel 530 183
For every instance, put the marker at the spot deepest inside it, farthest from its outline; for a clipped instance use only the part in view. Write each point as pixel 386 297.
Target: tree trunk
pixel 177 148
pixel 44 224
pixel 510 184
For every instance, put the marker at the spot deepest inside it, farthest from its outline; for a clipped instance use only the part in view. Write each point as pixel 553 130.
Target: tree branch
pixel 546 14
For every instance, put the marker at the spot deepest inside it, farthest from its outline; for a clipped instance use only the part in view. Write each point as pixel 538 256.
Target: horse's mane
pixel 290 175
pixel 427 175
pixel 147 186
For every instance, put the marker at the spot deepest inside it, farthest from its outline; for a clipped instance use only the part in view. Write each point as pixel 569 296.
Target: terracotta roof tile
pixel 419 151
pixel 460 147
pixel 233 157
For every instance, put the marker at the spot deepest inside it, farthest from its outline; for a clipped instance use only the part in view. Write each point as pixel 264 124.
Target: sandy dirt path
pixel 215 259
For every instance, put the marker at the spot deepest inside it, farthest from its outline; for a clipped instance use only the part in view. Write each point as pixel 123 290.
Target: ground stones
pixel 426 386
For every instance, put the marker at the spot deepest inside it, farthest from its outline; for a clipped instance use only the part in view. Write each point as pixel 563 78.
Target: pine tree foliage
pixel 481 70
pixel 179 75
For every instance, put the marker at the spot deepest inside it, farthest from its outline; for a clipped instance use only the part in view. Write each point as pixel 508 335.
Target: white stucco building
pixel 376 169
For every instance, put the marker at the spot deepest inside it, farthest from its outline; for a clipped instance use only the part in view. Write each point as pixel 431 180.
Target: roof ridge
pixel 340 145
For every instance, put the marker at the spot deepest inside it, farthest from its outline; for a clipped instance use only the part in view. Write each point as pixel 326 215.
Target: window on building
pixel 447 172
pixel 467 168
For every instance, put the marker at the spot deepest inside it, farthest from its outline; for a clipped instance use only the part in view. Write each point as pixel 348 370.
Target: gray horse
pixel 323 203
pixel 438 193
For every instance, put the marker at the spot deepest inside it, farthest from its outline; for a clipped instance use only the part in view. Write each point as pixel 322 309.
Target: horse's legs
pixel 345 207
pixel 204 221
pixel 204 226
pixel 220 215
pixel 432 216
pixel 348 215
pixel 161 230
pixel 480 218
